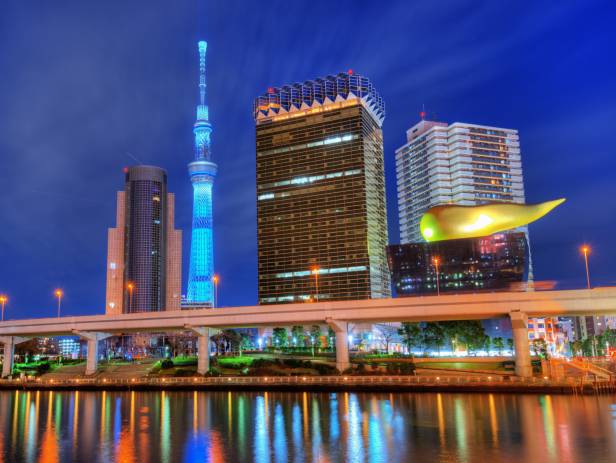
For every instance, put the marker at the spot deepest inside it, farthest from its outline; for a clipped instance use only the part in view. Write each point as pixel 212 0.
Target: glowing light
pixel 202 174
pixel 482 222
pixel 448 222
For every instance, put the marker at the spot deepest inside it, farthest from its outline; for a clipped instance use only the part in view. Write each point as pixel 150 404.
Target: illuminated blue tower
pixel 202 174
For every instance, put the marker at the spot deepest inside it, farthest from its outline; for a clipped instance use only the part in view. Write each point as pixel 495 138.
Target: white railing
pixel 309 380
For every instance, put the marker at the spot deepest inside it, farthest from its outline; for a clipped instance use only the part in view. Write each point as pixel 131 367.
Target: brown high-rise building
pixel 322 221
pixel 144 259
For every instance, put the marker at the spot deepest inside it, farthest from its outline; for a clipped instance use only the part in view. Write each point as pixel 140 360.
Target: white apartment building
pixel 463 164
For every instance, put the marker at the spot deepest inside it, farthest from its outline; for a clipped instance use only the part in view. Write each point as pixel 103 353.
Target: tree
pixel 245 343
pixel 410 334
pixel 510 344
pixel 280 337
pixel 499 344
pixel 540 348
pixel 576 347
pixel 298 334
pixel 27 349
pixel 472 334
pixel 434 335
pixel 233 339
pixel 387 334
pixel 487 342
pixel 315 336
pixel 331 337
pixel 452 331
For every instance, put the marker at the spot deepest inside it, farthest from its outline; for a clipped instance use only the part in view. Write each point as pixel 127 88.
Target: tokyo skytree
pixel 202 174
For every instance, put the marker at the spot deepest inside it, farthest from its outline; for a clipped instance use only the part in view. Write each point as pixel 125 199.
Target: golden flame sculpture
pixel 448 222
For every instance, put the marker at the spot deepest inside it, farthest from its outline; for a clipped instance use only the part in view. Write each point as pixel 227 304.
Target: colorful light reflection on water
pixel 282 426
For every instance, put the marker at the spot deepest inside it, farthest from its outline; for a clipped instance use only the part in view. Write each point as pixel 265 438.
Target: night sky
pixel 87 88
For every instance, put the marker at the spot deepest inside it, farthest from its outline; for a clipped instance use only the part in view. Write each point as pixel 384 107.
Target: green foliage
pixel 280 337
pixel 315 333
pixel 499 344
pixel 510 344
pixel 235 363
pixel 165 364
pixel 213 371
pixel 262 363
pixel 298 333
pixel 433 335
pixel 184 361
pixel 407 368
pixel 324 369
pixel 410 334
pixel 331 337
pixel 472 334
pixel 540 348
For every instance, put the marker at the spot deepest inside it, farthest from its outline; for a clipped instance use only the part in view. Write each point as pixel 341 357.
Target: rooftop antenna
pixel 422 114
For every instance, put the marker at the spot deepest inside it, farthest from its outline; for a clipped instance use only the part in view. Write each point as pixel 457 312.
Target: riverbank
pixel 490 384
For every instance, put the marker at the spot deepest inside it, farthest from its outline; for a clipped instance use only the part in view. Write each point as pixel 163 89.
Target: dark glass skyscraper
pixel 322 224
pixel 495 262
pixel 144 258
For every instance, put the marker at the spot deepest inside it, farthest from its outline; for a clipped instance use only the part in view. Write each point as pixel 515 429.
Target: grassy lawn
pixel 237 362
pixel 496 366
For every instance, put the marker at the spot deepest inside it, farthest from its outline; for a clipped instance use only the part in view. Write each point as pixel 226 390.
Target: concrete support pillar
pixel 93 339
pixel 203 361
pixel 203 348
pixel 92 363
pixel 342 343
pixel 519 327
pixel 9 353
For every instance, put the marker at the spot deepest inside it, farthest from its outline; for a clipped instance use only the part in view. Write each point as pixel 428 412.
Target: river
pixel 295 427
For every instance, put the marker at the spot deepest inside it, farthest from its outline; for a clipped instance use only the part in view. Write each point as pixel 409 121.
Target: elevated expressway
pixel 519 306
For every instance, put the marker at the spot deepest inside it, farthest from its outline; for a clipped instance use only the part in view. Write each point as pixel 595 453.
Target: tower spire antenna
pixel 202 173
pixel 202 83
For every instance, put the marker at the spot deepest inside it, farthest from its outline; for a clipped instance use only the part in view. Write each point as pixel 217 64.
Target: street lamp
pixel 585 249
pixel 315 270
pixel 3 301
pixel 215 281
pixel 58 293
pixel 436 261
pixel 130 286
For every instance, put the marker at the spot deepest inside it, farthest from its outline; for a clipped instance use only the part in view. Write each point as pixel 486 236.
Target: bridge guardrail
pixel 311 380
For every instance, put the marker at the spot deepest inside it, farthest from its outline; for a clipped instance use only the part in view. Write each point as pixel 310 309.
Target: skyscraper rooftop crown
pixel 319 92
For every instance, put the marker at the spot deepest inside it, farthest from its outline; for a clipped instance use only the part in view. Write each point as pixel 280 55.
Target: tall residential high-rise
pixel 322 221
pixel 460 163
pixel 202 174
pixel 144 258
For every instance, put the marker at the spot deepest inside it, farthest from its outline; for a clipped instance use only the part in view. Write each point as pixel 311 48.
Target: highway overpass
pixel 519 306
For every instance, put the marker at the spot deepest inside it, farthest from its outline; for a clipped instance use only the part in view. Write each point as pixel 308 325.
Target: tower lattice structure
pixel 202 174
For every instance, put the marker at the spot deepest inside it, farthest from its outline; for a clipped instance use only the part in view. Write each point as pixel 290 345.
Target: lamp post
pixel 130 286
pixel 315 270
pixel 585 249
pixel 436 261
pixel 58 293
pixel 215 281
pixel 3 301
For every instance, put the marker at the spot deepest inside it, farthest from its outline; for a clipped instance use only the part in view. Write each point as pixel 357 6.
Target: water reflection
pixel 280 427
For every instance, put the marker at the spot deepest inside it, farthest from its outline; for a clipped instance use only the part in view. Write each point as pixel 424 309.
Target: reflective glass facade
pixel 321 200
pixel 496 262
pixel 145 238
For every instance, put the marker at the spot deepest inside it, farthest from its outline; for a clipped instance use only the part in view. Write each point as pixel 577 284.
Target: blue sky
pixel 88 87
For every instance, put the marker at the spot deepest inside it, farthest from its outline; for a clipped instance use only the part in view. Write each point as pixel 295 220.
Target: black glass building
pixel 496 262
